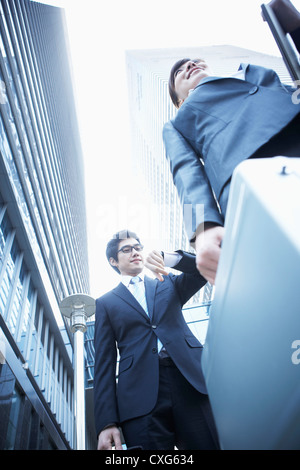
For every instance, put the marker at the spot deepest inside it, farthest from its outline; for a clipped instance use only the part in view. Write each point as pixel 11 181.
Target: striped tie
pixel 139 292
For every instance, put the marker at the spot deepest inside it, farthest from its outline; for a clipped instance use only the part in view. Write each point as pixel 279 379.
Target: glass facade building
pixel 43 240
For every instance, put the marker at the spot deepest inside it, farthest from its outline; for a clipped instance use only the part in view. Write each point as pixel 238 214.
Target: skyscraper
pixel 150 107
pixel 43 240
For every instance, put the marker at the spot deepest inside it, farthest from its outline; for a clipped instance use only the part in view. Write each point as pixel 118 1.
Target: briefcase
pixel 251 357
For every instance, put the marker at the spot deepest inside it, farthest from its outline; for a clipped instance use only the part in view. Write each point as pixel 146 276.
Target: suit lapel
pixel 122 292
pixel 260 76
pixel 150 288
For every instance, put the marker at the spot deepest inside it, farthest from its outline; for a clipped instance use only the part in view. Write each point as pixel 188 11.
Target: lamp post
pixel 78 307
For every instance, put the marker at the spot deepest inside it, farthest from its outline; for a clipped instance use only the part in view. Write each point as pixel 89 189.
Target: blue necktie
pixel 139 293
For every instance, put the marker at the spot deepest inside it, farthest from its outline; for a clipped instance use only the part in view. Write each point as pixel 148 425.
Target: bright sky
pixel 99 33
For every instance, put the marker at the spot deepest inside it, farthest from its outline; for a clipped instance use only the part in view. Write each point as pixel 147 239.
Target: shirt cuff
pixel 171 258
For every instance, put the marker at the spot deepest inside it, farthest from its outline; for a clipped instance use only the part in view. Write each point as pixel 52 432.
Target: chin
pixel 138 269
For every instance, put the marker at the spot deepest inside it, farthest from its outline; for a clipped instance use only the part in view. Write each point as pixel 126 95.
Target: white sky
pixel 99 33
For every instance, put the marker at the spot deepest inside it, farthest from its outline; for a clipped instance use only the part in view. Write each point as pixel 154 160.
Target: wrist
pixel 204 228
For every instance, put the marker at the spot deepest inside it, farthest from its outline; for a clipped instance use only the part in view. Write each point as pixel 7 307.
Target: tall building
pixel 43 240
pixel 150 107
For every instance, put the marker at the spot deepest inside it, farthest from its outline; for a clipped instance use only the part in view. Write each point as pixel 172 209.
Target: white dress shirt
pixel 170 260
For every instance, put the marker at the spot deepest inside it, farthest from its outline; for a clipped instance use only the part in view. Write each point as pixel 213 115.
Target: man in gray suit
pixel 222 121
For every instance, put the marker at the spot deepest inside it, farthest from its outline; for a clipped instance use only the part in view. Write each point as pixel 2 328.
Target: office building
pixel 151 106
pixel 43 240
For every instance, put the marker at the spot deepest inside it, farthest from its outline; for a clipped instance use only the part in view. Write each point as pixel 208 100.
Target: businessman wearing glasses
pixel 159 400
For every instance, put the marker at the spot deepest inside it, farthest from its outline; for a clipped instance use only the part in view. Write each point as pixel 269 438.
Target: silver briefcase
pixel 251 358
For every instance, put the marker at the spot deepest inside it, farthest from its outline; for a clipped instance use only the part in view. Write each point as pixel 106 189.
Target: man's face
pixel 129 262
pixel 188 76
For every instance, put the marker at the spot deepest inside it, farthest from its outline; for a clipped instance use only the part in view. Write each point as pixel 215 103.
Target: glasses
pixel 128 248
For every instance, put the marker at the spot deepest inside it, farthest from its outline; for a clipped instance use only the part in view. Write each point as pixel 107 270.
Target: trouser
pixel 182 416
pixel 285 143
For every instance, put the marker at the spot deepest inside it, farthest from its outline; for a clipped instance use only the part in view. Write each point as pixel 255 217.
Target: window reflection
pixel 13 420
pixel 25 318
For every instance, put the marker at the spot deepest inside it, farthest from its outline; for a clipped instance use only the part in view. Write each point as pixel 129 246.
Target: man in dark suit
pixel 160 398
pixel 221 122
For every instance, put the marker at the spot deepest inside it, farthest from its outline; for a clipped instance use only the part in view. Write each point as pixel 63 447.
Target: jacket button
pixel 253 90
pixel 154 326
pixel 154 350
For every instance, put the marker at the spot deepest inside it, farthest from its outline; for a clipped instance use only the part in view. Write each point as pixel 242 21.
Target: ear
pixel 113 262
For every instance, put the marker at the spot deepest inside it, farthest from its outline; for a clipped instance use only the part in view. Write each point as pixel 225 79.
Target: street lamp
pixel 78 307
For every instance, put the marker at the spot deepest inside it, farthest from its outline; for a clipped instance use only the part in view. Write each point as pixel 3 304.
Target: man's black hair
pixel 113 245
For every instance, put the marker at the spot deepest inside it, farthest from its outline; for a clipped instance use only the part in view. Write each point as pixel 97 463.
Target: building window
pixel 13 420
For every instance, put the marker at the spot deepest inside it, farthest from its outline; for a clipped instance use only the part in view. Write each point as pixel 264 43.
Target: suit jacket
pixel 121 322
pixel 223 122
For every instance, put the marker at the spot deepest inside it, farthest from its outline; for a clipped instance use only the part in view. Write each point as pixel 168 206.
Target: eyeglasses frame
pixel 131 248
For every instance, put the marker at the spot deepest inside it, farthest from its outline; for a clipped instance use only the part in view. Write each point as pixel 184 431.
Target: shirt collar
pixel 239 74
pixel 125 279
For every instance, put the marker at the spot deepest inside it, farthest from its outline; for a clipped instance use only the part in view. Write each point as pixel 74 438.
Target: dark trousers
pixel 182 417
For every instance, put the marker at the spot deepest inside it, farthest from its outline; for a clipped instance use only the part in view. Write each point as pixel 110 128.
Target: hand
pixel 155 262
pixel 208 250
pixel 108 437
